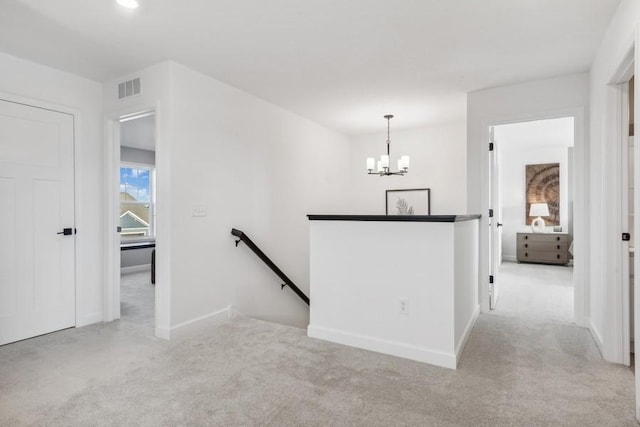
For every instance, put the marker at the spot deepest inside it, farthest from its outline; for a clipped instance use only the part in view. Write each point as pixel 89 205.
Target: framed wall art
pixel 414 201
pixel 543 186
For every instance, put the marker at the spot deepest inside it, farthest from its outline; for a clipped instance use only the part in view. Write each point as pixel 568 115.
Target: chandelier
pixel 383 168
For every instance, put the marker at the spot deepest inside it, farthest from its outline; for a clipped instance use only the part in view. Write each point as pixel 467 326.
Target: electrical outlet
pixel 403 306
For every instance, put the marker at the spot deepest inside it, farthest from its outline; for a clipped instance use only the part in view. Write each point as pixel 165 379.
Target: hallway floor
pixel 543 292
pixel 519 368
pixel 137 298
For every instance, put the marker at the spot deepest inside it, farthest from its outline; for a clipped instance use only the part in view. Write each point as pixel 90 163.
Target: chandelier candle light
pixel 383 164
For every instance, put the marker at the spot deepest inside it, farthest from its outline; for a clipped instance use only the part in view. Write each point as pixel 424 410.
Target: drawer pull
pixel 558 256
pixel 526 245
pixel 558 238
pixel 558 246
pixel 526 254
pixel 526 237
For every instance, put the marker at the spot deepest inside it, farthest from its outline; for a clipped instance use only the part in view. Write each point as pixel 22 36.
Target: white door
pixel 495 252
pixel 37 284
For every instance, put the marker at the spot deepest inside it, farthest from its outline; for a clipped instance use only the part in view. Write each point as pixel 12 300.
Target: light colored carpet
pixel 514 371
pixel 137 298
pixel 536 291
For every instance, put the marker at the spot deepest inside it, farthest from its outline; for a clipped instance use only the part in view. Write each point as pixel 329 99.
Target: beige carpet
pixel 515 370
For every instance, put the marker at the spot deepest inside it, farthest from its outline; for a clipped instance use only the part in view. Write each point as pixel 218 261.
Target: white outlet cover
pixel 403 306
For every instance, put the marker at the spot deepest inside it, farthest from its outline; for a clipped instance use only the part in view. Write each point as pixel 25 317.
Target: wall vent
pixel 129 88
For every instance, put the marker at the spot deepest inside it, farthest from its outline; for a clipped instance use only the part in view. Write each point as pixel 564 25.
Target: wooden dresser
pixel 543 248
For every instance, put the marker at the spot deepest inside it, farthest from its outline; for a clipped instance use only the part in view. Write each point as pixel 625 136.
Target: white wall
pixel 40 85
pixel 357 288
pixel 258 168
pixel 438 162
pixel 521 144
pixel 605 270
pixel 255 167
pixel 556 97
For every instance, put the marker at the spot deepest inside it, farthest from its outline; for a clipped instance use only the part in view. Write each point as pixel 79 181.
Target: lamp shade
pixel 539 209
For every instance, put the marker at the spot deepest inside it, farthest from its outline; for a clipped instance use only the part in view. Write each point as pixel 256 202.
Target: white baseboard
pixel 163 334
pixel 596 337
pixel 509 258
pixel 467 332
pixel 195 325
pixel 135 269
pixel 89 319
pixel 407 351
pixel 234 312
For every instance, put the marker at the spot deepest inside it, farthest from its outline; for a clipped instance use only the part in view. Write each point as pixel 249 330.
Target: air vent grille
pixel 129 88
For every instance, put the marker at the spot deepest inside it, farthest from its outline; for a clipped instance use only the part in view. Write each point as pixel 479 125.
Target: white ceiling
pixel 342 63
pixel 535 134
pixel 139 133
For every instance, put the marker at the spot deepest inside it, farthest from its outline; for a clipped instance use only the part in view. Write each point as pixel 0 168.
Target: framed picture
pixel 543 186
pixel 415 201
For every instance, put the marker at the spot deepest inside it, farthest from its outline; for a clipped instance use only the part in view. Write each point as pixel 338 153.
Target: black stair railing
pixel 242 237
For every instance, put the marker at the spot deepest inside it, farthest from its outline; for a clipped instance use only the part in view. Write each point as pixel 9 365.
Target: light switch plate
pixel 199 210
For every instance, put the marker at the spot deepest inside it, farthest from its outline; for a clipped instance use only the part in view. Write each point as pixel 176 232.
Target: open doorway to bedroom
pixel 136 218
pixel 535 218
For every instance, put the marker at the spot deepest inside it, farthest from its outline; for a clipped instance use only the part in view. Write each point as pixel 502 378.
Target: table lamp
pixel 539 210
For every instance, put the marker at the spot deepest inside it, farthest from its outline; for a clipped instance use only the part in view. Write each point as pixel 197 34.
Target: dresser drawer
pixel 542 237
pixel 545 248
pixel 544 257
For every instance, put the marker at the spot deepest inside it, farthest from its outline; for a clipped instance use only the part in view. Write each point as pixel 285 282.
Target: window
pixel 137 201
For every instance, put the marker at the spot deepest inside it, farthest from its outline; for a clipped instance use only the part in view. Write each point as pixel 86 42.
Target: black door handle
pixel 66 231
pixel 499 224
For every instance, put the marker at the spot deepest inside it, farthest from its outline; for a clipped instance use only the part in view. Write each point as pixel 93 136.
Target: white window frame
pixel 151 203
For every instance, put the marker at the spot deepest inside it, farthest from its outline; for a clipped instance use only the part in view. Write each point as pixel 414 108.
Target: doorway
pixel 531 171
pixel 136 185
pixel 37 237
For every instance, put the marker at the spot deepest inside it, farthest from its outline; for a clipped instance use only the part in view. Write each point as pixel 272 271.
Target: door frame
pixel 112 237
pixel 618 295
pixel 77 219
pixel 580 212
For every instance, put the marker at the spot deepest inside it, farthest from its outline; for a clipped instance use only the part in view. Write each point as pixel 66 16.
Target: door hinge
pixel 491 279
pixel 491 146
pixel 626 237
pixel 490 213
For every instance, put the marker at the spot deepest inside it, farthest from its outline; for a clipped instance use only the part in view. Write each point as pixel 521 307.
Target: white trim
pixel 89 319
pixel 205 322
pixel 467 333
pixel 615 328
pixel 509 258
pixel 636 219
pixel 596 336
pixel 162 333
pixel 163 268
pixel 394 348
pixel 580 211
pixel 135 269
pixel 625 70
pixel 112 207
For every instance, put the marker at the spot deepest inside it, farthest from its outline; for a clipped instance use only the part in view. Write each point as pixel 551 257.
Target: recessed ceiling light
pixel 129 4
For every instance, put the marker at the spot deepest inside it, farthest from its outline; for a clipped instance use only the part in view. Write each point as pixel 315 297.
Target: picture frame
pixel 411 201
pixel 543 186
